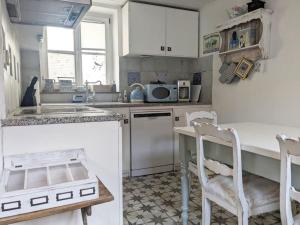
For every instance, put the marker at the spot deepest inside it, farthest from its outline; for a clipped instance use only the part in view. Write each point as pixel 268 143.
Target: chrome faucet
pixel 89 96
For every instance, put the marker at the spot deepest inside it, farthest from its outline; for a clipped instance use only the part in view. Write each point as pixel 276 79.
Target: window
pixel 79 54
pixel 61 53
pixel 93 52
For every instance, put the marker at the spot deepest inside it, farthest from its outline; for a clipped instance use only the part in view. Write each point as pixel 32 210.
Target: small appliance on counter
pixel 196 87
pixel 65 84
pixel 49 85
pixel 161 92
pixel 78 98
pixel 184 90
pixel 137 93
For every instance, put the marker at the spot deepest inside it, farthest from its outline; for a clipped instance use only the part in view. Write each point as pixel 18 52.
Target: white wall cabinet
pixel 159 31
pixel 182 33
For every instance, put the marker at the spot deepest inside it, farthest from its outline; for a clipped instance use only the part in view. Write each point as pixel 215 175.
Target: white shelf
pixel 239 49
pixel 265 16
pixel 257 14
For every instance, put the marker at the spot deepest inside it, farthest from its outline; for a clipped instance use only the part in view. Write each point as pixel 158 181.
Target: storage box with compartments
pixel 39 181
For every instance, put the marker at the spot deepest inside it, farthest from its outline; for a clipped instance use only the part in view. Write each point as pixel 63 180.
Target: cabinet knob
pixel 177 118
pixel 162 48
pixel 169 49
pixel 126 121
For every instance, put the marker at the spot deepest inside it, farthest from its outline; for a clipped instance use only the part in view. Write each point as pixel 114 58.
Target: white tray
pixel 40 181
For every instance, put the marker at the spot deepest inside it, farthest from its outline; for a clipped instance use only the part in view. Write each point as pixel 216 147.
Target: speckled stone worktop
pixel 43 115
pixel 131 105
pixel 76 113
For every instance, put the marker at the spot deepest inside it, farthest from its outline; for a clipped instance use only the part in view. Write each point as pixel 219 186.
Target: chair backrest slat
pixel 227 135
pixel 295 195
pixel 201 116
pixel 218 168
pixel 289 148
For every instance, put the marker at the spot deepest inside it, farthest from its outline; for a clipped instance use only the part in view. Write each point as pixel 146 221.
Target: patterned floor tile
pixel 156 200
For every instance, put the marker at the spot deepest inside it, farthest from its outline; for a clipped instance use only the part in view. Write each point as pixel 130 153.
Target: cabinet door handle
pixel 177 118
pixel 126 121
pixel 162 48
pixel 169 49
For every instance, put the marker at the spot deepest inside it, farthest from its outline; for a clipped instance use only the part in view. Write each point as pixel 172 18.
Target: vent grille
pixel 12 10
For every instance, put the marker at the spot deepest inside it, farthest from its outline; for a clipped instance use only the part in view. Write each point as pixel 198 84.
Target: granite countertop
pixel 131 105
pixel 43 115
pixel 61 113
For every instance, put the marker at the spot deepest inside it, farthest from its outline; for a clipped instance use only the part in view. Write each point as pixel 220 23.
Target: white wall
pixel 272 95
pixel 2 95
pixel 12 87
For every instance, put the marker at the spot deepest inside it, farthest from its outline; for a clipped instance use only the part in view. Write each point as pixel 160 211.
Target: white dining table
pixel 260 153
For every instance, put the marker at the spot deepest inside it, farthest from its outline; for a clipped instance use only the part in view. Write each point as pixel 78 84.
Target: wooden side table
pixel 86 208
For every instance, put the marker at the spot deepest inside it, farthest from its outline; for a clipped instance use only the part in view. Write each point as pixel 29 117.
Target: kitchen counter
pixel 76 112
pixel 129 104
pixel 58 114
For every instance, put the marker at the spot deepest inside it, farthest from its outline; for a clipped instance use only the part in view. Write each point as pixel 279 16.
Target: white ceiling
pixel 191 4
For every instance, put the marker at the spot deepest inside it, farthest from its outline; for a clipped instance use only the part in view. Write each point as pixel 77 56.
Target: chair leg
pixel 206 211
pixel 243 218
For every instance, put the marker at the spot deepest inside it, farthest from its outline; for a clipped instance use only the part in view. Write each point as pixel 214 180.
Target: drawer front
pixel 39 201
pixel 11 206
pixel 30 202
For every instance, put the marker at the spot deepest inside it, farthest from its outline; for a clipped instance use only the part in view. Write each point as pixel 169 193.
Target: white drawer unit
pixel 41 181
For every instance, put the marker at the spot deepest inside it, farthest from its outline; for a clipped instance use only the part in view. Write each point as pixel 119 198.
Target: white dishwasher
pixel 151 142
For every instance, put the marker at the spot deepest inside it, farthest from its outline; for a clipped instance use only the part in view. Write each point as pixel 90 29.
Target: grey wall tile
pixel 160 64
pixel 147 64
pixel 133 64
pixel 169 70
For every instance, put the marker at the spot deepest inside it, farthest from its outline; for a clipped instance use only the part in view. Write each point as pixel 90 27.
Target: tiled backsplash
pixel 169 70
pixel 155 68
pixel 164 69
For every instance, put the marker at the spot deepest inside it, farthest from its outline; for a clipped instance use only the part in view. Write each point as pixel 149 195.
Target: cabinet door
pixel 182 33
pixel 147 29
pixel 125 138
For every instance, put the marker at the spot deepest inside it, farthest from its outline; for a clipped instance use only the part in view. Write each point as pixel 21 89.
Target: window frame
pixel 78 50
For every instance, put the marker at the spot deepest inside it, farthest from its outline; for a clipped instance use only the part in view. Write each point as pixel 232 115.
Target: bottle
pixel 125 97
pixel 114 87
pixel 120 99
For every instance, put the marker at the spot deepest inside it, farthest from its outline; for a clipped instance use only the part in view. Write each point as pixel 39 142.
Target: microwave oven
pixel 161 93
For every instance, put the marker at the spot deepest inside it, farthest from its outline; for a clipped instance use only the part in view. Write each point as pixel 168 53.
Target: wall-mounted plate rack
pixel 40 181
pixel 257 25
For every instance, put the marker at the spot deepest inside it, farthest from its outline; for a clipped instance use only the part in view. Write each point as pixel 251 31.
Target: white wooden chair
pixel 289 148
pixel 202 116
pixel 242 196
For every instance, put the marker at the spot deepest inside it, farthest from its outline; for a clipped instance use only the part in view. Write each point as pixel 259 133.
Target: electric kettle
pixel 137 93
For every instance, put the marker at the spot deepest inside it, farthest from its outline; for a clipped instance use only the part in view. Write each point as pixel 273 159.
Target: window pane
pixel 92 35
pixel 61 39
pixel 61 65
pixel 93 68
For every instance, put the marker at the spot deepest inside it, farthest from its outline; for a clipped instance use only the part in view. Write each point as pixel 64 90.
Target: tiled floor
pixel 156 200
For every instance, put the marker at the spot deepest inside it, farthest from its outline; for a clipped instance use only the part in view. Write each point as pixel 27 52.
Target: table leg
pixel 84 213
pixel 184 157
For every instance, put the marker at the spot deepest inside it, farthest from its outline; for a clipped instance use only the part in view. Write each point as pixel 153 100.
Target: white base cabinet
pixel 125 139
pixel 159 31
pixel 103 148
